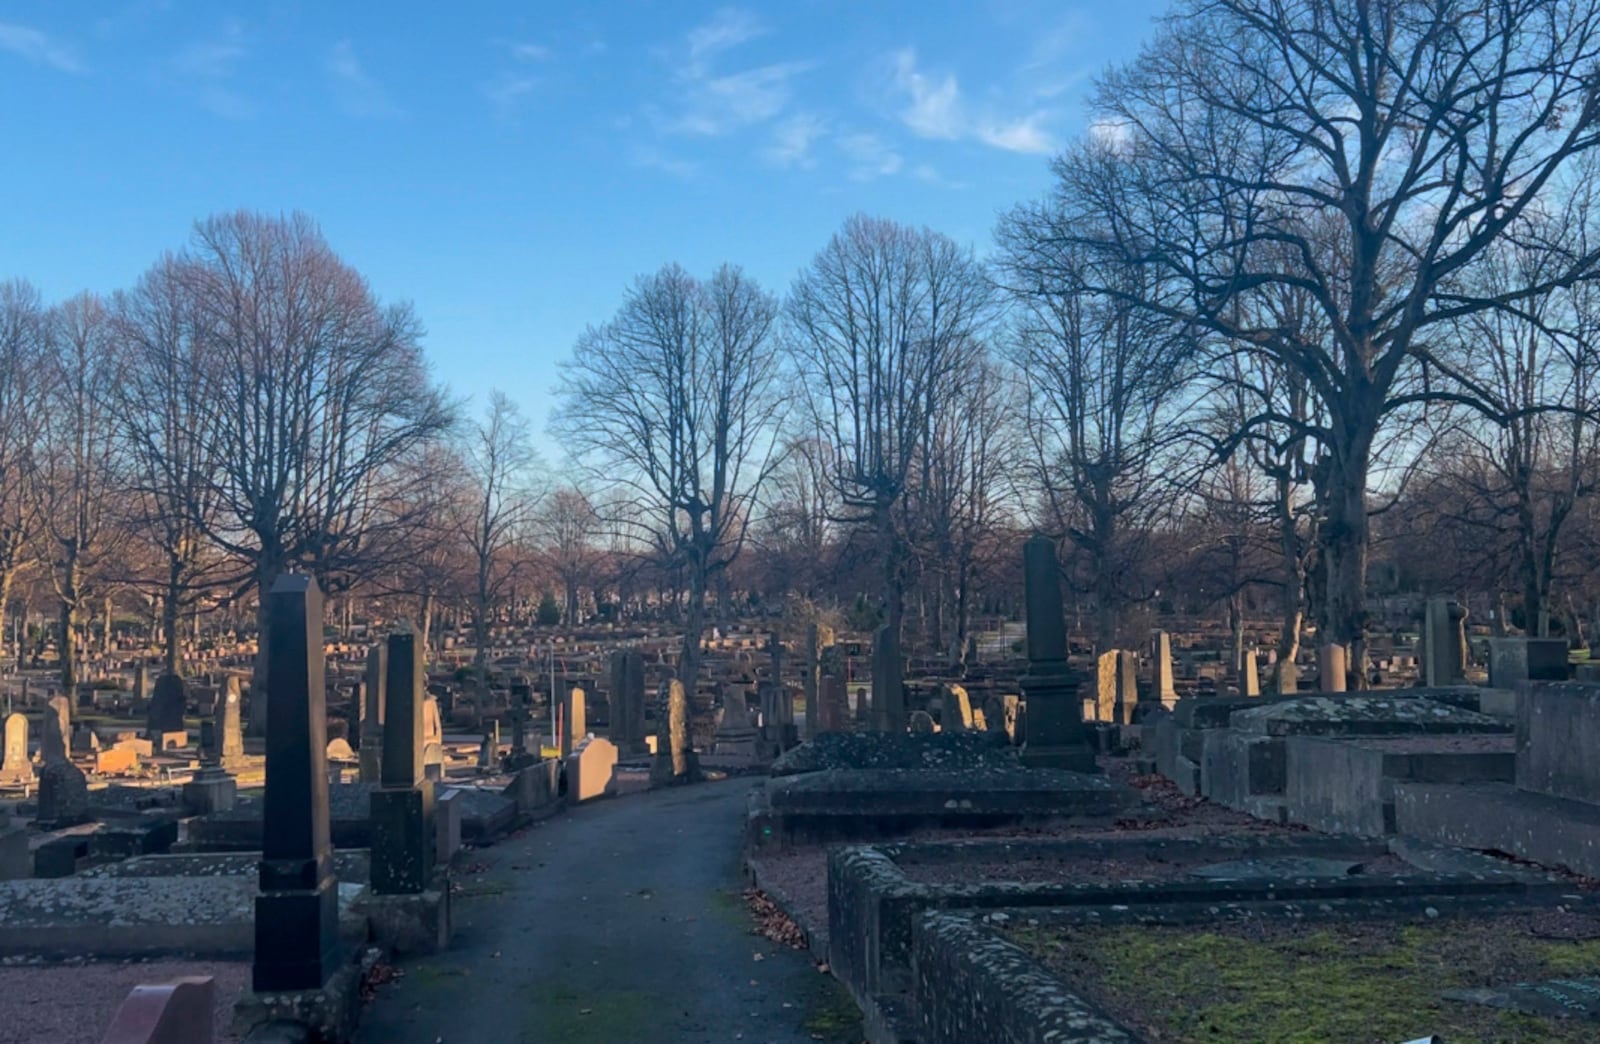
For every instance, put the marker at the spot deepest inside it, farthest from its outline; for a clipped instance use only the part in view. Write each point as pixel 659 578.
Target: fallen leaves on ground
pixel 378 975
pixel 771 922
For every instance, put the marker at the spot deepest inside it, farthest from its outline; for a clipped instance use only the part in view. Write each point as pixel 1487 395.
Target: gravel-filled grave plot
pixel 1512 977
pixel 75 1003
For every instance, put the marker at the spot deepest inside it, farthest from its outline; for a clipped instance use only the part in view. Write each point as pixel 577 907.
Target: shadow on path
pixel 619 922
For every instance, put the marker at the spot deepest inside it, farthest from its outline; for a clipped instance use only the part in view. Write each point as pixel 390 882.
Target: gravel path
pixel 74 1004
pixel 619 922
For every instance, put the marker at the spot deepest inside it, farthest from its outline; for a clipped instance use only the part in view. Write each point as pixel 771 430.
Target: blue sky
pixel 510 167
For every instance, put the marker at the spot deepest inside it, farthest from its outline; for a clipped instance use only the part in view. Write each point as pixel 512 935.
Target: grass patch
pixel 1309 983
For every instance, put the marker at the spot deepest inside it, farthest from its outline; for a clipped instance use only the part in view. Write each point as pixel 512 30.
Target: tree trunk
pixel 1344 539
pixel 572 601
pixel 425 620
pixel 69 625
pixel 694 624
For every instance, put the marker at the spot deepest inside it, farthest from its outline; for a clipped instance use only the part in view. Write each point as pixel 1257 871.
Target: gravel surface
pixel 74 1004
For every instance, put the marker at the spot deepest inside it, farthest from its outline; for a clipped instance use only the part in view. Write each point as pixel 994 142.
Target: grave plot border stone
pixel 869 804
pixel 872 902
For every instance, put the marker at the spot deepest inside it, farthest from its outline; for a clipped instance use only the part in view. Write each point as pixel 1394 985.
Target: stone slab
pixel 1346 786
pixel 134 917
pixel 892 750
pixel 1359 715
pixel 1495 816
pixel 1558 735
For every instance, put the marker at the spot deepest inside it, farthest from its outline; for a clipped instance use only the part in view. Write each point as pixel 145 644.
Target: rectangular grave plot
pixel 1346 970
pixel 876 892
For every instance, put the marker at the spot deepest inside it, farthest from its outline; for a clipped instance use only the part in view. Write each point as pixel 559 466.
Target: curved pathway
pixel 618 922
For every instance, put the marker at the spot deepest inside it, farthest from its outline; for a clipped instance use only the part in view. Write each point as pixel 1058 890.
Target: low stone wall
pixel 873 902
pixel 1346 786
pixel 971 985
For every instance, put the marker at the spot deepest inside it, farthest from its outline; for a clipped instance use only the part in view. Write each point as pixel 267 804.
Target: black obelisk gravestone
pixel 402 808
pixel 1056 736
pixel 297 913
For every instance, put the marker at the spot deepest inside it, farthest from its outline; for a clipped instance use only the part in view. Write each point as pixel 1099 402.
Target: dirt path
pixel 618 922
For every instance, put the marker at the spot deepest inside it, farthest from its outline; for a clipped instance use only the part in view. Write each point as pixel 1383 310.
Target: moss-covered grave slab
pixel 1287 975
pixel 876 893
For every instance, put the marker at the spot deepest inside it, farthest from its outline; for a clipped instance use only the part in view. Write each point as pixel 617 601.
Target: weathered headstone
pixel 818 637
pixel 297 944
pixel 372 713
pixel 627 701
pixel 833 710
pixel 888 682
pixel 736 735
pixel 402 808
pixel 920 722
pixel 1249 675
pixel 55 729
pixel 1331 667
pixel 63 795
pixel 229 725
pixel 1106 685
pixel 432 740
pixel 1286 677
pixel 589 771
pixel 1513 660
pixel 167 704
pixel 1055 736
pixel 1443 662
pixel 675 761
pixel 956 714
pixel 1127 686
pixel 16 769
pixel 574 717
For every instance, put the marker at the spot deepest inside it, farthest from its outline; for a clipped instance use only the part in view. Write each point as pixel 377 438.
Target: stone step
pixel 1497 816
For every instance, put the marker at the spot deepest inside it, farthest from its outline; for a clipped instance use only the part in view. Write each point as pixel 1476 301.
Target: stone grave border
pixel 968 982
pixel 872 904
pixel 865 805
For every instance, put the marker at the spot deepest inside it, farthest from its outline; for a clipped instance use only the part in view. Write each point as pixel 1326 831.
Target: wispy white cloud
pixel 206 69
pixel 933 107
pixel 792 140
pixel 40 48
pixel 356 91
pixel 652 158
pixel 727 29
pixel 712 103
pixel 869 156
pixel 531 52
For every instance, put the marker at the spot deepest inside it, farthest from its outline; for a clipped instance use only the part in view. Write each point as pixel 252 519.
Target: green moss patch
pixel 1298 983
pixel 560 1013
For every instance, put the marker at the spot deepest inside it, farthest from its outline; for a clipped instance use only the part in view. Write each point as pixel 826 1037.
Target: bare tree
pixel 22 348
pixel 80 459
pixel 314 393
pixel 1363 153
pixel 885 322
pixel 1106 372
pixel 499 460
pixel 568 528
pixel 167 425
pixel 675 403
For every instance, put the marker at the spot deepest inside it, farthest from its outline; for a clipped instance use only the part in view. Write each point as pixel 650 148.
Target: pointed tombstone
pixel 1055 736
pixel 1164 690
pixel 372 713
pixel 16 768
pixel 1331 668
pixel 402 808
pixel 229 725
pixel 55 730
pixel 297 944
pixel 1249 675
